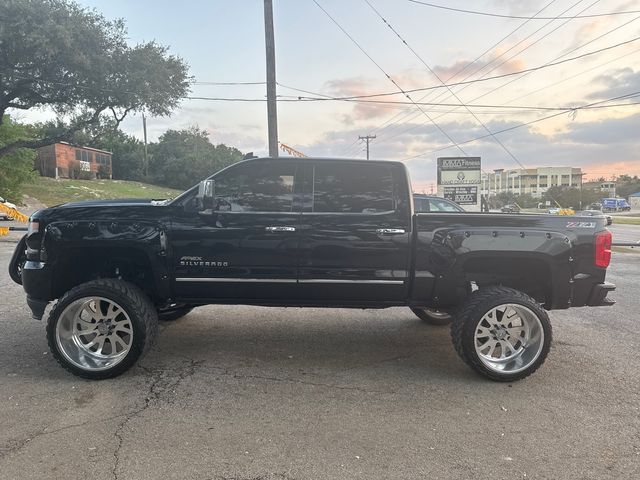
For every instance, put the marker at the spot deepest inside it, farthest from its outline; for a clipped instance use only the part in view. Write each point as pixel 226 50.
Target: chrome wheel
pixel 509 338
pixel 94 333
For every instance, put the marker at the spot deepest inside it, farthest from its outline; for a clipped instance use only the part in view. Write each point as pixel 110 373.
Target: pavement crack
pixel 162 381
pixel 304 382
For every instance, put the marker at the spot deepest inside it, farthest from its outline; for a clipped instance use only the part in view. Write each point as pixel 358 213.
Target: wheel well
pixel 78 266
pixel 531 276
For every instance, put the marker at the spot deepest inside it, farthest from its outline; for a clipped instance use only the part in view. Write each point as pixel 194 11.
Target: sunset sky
pixel 223 41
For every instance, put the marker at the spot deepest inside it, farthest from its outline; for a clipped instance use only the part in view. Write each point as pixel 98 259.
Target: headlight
pixel 34 227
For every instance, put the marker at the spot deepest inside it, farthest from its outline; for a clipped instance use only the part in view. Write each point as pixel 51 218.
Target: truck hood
pixel 111 203
pixel 112 210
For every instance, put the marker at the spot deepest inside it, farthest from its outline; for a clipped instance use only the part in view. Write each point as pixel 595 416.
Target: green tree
pixel 571 197
pixel 182 158
pixel 56 54
pixel 16 168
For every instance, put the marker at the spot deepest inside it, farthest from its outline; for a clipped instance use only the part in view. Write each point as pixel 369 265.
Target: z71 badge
pixel 201 262
pixel 581 224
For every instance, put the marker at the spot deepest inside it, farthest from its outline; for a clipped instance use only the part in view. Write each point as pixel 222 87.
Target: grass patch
pixel 626 220
pixel 54 192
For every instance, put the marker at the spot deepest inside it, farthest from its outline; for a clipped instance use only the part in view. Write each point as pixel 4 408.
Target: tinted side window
pixel 420 205
pixel 256 188
pixel 352 188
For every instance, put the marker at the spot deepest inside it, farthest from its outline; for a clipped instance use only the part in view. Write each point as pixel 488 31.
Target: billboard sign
pixel 459 179
pixel 462 195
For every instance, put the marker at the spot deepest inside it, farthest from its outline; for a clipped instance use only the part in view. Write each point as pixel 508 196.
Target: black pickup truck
pixel 305 232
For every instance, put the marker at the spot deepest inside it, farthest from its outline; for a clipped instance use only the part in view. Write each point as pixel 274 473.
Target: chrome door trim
pixel 284 280
pixel 333 280
pixel 235 280
pixel 390 231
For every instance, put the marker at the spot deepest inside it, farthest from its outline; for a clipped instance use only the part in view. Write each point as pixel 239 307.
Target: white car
pixel 553 211
pixel 3 215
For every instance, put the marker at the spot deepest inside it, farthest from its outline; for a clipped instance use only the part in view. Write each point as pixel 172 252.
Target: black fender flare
pixel 17 260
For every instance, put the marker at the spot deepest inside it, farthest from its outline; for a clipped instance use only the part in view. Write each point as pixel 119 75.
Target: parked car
pixel 307 233
pixel 595 213
pixel 428 203
pixel 511 208
pixel 3 214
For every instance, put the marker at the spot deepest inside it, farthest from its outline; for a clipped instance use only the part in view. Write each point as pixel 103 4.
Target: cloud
pixel 617 82
pixel 500 65
pixel 600 148
pixel 347 87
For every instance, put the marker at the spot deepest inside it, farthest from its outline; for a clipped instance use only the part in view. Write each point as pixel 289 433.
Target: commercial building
pixel 532 181
pixel 63 160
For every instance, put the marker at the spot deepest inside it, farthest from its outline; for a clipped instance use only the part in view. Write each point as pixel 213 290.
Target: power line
pixel 499 15
pixel 469 82
pixel 372 95
pixel 554 59
pixel 395 118
pixel 319 97
pixel 476 71
pixel 589 105
pixel 387 75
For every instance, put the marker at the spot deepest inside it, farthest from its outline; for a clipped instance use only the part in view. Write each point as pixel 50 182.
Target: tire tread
pixel 141 305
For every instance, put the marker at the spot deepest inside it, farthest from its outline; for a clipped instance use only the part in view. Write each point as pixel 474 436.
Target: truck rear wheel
pixel 432 316
pixel 101 328
pixel 502 333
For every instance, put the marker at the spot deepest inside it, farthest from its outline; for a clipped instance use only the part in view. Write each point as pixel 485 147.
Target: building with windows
pixel 532 181
pixel 607 187
pixel 64 160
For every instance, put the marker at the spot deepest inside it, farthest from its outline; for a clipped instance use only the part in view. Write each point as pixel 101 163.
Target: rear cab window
pixel 352 188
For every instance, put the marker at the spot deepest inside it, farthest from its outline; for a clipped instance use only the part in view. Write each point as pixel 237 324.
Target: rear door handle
pixel 280 229
pixel 389 231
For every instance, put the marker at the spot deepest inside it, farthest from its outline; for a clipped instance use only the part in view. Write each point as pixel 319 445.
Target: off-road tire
pixel 142 313
pixel 426 316
pixel 470 313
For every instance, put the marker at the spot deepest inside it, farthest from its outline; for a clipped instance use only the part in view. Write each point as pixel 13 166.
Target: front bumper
pixel 598 296
pixel 37 283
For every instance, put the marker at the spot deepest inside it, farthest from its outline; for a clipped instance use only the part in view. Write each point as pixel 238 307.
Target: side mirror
pixel 206 196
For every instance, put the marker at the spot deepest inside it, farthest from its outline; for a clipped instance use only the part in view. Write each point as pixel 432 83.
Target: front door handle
pixel 280 229
pixel 389 231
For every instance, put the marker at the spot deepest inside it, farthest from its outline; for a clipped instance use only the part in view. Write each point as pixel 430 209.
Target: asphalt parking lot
pixel 270 393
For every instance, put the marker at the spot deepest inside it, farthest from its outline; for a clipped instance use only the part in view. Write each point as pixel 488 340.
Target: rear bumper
pixel 598 296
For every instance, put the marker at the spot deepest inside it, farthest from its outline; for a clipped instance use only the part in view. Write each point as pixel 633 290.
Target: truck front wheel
pixel 502 333
pixel 101 328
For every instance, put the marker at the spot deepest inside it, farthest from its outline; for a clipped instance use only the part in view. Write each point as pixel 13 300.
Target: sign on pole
pixel 459 180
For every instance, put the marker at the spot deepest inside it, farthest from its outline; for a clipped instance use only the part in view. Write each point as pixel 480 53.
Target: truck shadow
pixel 294 342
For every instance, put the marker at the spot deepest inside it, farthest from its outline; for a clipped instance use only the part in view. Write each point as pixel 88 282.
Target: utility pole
pixel 367 139
pixel 270 47
pixel 145 167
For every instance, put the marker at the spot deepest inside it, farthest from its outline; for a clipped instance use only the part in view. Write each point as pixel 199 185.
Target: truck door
pixel 247 248
pixel 354 232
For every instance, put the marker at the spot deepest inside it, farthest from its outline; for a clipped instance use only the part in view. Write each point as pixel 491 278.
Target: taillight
pixel 603 249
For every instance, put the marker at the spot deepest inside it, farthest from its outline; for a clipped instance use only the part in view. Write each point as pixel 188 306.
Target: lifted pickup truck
pixel 305 232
